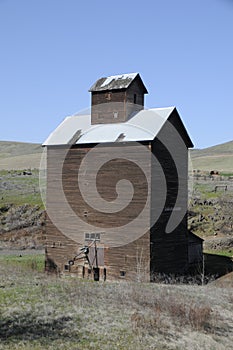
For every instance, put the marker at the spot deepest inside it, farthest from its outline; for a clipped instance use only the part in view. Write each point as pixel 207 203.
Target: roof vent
pixel 120 137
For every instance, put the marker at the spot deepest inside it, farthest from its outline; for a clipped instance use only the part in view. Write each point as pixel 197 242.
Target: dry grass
pixel 221 162
pixel 19 155
pixel 46 312
pixel 27 161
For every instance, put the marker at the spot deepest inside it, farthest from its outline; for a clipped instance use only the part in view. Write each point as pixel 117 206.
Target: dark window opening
pixel 122 273
pixel 135 98
pixel 105 274
pixel 96 273
pixel 66 267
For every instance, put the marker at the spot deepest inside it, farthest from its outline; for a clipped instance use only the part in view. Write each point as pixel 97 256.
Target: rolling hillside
pixel 19 155
pixel 218 157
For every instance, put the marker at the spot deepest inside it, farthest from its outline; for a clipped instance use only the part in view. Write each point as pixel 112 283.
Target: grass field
pixel 48 312
pixel 19 189
pixel 224 148
pixel 19 155
pixel 222 163
pixel 218 157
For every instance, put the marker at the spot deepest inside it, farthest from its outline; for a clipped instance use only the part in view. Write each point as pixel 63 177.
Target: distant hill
pixel 218 157
pixel 22 155
pixel 223 148
pixel 19 155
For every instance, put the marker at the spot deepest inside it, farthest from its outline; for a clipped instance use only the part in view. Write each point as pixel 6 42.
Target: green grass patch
pixel 4 172
pixel 225 253
pixel 21 199
pixel 34 262
pixel 226 174
pixel 207 191
pixel 20 189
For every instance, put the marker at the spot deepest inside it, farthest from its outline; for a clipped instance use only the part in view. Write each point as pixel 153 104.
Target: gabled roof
pixel 116 82
pixel 143 126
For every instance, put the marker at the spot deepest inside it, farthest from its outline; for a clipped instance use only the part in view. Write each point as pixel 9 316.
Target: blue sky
pixel 52 51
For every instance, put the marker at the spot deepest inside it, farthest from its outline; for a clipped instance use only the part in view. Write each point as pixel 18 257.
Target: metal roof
pixel 115 82
pixel 77 129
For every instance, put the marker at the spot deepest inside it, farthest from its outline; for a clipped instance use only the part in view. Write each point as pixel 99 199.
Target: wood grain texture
pixel 154 251
pixel 116 106
pixel 131 258
pixel 169 251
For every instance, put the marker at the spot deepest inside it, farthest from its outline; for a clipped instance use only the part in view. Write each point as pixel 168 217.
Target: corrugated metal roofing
pixel 113 82
pixel 144 126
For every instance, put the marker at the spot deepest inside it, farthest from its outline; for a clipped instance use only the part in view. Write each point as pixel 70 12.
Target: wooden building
pixel 115 100
pixel 195 249
pixel 92 242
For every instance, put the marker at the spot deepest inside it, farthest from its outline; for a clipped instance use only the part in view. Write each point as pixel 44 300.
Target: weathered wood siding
pixel 134 98
pixel 131 257
pixel 116 106
pixel 135 88
pixel 195 249
pixel 130 262
pixel 108 107
pixel 59 248
pixel 169 251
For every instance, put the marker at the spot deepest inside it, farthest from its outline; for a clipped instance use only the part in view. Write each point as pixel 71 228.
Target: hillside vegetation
pixel 218 158
pixel 19 155
pixel 22 216
pixel 224 148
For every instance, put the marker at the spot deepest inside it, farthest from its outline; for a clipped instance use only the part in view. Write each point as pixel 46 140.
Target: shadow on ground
pixel 217 264
pixel 27 326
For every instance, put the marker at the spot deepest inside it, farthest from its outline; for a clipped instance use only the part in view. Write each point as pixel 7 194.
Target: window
pixel 115 115
pixel 122 273
pixel 135 98
pixel 92 236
